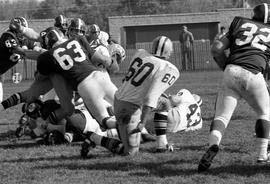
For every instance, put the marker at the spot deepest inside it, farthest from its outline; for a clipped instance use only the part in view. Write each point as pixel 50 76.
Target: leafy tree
pixel 98 11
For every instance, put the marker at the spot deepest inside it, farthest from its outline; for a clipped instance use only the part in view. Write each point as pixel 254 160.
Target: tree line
pixel 98 11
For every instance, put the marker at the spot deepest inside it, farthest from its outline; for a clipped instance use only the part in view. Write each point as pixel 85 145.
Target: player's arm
pixel 97 57
pixel 30 54
pixel 26 31
pixel 218 51
pixel 31 34
pixel 109 63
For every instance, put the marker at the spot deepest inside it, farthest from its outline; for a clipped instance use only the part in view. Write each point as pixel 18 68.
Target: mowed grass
pixel 21 161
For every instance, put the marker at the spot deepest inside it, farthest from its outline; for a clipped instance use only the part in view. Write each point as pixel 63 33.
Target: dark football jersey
pixel 250 44
pixel 69 59
pixel 8 41
pixel 30 44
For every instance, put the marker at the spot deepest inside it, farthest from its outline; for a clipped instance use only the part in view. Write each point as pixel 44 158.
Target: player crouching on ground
pixel 74 128
pixel 176 113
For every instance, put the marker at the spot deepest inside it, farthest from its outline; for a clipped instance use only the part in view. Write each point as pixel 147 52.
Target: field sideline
pixel 21 161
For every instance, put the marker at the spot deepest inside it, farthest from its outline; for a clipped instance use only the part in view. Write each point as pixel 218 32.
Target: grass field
pixel 21 161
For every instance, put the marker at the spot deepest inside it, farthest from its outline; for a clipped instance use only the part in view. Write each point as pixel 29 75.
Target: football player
pixel 98 40
pixel 77 27
pixel 61 22
pixel 42 85
pixel 79 123
pixel 248 41
pixel 176 113
pixel 77 74
pixel 149 75
pixel 10 41
pixel 77 126
pixel 96 37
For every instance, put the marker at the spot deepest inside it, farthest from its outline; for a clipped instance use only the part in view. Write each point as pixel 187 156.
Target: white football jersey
pixel 147 78
pixel 186 116
pixel 103 38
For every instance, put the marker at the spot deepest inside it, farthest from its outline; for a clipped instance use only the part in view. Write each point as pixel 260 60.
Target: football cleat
pixel 264 160
pixel 69 136
pixel 207 158
pixel 167 148
pixel 86 146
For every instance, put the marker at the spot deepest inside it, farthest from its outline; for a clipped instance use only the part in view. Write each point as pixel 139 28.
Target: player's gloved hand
pixel 163 104
pixel 138 129
pixel 16 26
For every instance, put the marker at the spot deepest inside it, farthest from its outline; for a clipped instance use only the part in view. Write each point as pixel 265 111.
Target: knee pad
pixel 262 128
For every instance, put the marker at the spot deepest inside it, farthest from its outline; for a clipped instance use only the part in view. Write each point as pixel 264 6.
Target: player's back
pixel 250 42
pixel 143 72
pixel 70 59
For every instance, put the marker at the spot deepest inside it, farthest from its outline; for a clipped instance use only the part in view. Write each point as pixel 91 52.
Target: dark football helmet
pixel 43 35
pixel 52 37
pixel 261 13
pixel 41 109
pixel 61 22
pixel 77 27
pixel 33 109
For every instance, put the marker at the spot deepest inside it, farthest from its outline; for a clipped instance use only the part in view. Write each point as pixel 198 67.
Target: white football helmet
pixel 117 52
pixel 198 99
pixel 103 38
pixel 162 47
pixel 182 96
